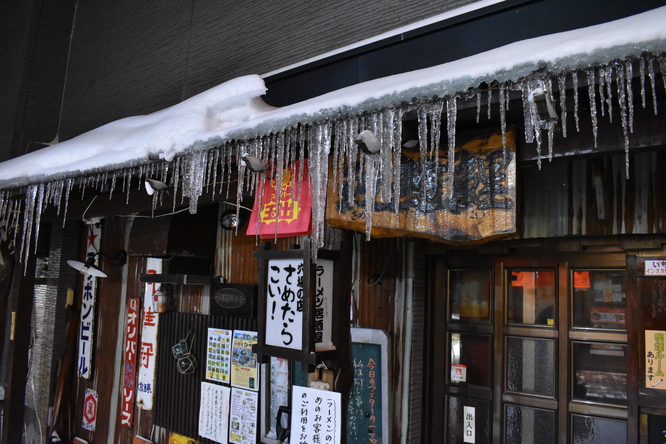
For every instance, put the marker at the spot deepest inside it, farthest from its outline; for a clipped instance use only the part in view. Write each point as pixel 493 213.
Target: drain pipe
pixel 408 316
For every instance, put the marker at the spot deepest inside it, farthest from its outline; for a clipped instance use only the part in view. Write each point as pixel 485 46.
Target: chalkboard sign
pixel 368 407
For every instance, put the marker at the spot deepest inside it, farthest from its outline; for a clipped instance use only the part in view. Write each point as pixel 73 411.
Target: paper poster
pixel 218 357
pixel 315 416
pixel 88 305
pixel 214 411
pixel 243 420
pixel 244 365
pixel 284 303
pixel 279 389
pixel 654 359
pixel 148 350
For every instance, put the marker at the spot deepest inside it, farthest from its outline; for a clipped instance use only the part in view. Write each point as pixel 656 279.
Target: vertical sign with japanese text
pixel 88 305
pixel 654 359
pixel 316 416
pixel 469 427
pixel 284 303
pixel 129 379
pixel 148 351
pixel 324 305
pixel 214 411
pixel 365 404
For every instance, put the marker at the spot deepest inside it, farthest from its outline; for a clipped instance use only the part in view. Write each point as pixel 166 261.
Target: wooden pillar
pixel 20 304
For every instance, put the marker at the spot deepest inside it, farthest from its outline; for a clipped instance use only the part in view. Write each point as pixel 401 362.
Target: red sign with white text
pixel 131 339
pixel 293 216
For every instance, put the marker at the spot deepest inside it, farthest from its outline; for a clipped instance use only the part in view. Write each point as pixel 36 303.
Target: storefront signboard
pixel 87 326
pixel 149 325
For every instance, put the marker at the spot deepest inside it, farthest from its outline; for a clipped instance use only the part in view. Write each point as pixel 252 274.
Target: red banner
pixel 293 216
pixel 131 339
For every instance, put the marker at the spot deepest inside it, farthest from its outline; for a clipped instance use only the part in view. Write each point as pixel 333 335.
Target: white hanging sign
pixel 316 416
pixel 324 305
pixel 87 325
pixel 148 351
pixel 284 303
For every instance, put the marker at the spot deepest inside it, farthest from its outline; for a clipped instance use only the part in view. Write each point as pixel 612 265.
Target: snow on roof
pixel 235 110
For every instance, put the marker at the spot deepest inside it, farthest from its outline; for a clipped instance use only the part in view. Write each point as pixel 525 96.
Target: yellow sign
pixel 654 359
pixel 175 438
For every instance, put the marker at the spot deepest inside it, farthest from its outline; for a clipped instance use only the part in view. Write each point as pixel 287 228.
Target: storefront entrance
pixel 541 349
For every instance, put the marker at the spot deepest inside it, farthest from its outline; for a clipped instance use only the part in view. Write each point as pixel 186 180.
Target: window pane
pixel 470 295
pixel 532 297
pixel 531 366
pixel 600 373
pixel 599 299
pixel 458 424
pixel 471 358
pixel 652 291
pixel 590 430
pixel 525 424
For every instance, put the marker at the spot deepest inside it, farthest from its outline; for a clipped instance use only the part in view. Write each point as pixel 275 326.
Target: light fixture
pixel 153 185
pixel 544 106
pixel 229 220
pixel 88 267
pixel 368 142
pixel 254 164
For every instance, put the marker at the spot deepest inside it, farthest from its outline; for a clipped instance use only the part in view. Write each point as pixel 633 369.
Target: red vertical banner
pixel 129 380
pixel 293 215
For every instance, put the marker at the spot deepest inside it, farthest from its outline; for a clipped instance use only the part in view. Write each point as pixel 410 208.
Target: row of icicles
pixel 202 171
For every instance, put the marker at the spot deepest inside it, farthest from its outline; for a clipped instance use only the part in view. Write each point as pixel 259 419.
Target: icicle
pixel 537 137
pixel 662 67
pixel 371 170
pixel 396 132
pixel 302 133
pixel 28 219
pixel 562 85
pixel 351 160
pixel 652 84
pixel 551 132
pixel 39 207
pixel 319 149
pixel 386 157
pixel 574 79
pixel 593 102
pixel 502 109
pixel 526 90
pixel 451 117
pixel 435 115
pixel 241 148
pixel 602 90
pixel 490 101
pixel 641 67
pixel 278 184
pixel 621 97
pixel 609 92
pixel 176 181
pixel 629 78
pixel 423 149
pixel 478 105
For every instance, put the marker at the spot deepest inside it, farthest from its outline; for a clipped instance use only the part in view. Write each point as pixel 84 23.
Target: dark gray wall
pixel 132 58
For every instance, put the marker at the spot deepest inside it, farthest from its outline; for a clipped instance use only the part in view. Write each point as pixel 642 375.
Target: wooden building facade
pixel 539 318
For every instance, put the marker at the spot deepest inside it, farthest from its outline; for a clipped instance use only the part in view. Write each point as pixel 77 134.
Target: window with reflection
pixel 526 424
pixel 531 297
pixel 600 372
pixel 599 299
pixel 471 358
pixel 470 295
pixel 592 430
pixel 531 366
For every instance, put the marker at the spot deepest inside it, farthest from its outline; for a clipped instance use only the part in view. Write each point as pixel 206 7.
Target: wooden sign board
pixel 483 204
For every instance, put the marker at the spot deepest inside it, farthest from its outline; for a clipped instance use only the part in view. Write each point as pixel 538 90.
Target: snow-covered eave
pixel 548 55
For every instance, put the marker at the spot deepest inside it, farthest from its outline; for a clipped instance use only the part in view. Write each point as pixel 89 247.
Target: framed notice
pixel 286 304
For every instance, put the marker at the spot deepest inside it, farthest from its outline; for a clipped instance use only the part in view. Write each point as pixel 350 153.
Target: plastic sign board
pixel 129 380
pixel 316 416
pixel 655 267
pixel 87 325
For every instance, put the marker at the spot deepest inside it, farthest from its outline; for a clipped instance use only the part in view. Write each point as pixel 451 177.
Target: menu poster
pixel 243 419
pixel 316 416
pixel 218 358
pixel 244 364
pixel 214 411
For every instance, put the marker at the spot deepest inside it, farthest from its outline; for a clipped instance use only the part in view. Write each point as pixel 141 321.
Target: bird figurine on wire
pixel 368 142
